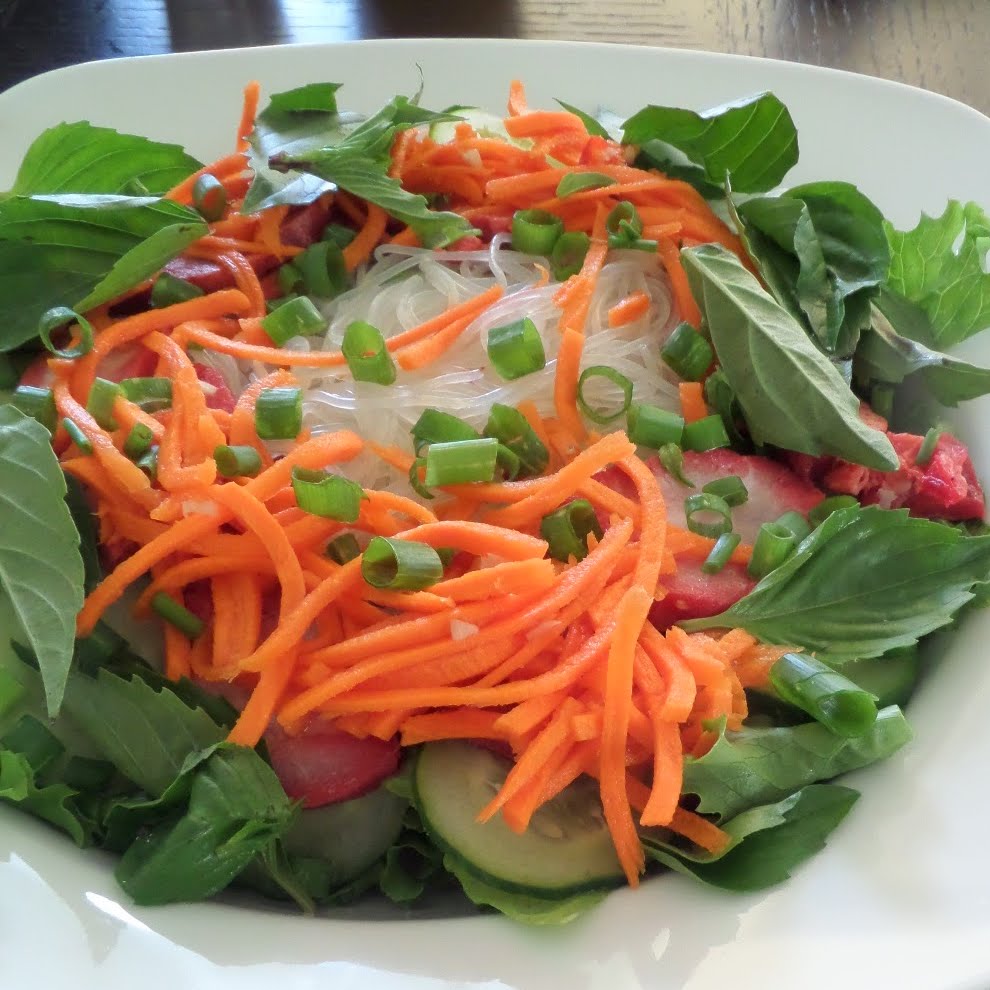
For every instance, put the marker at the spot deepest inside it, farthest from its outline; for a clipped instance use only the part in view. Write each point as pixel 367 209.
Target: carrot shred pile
pixel 556 661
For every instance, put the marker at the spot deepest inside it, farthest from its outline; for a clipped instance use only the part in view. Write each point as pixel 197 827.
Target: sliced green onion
pixel 296 318
pixel 290 279
pixel 209 197
pixel 687 353
pixel 705 434
pixel 516 349
pixel 38 403
pixel 138 441
pixel 272 304
pixel 719 556
pixel 826 695
pixel 827 506
pixel 535 231
pixel 576 181
pixel 278 413
pixel 707 515
pixel 446 555
pixel 566 530
pixel 604 414
pixel 774 544
pixel 323 271
pixel 61 316
pixel 651 426
pixel 618 242
pixel 511 428
pixel 882 399
pixel 148 462
pixel 507 462
pixel 99 405
pixel 624 222
pixel 177 615
pixel 434 426
pixel 338 234
pixel 240 461
pixel 321 493
pixel 415 482
pixel 400 565
pixel 366 354
pixel 77 436
pixel 796 524
pixel 461 462
pixel 672 460
pixel 568 253
pixel 169 290
pixel 344 548
pixel 730 488
pixel 151 394
pixel 928 445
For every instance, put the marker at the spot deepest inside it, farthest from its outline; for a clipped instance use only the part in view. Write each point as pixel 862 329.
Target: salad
pixel 442 500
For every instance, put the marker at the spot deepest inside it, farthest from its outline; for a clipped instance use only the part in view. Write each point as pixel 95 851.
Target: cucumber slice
pixel 487 125
pixel 566 849
pixel 891 677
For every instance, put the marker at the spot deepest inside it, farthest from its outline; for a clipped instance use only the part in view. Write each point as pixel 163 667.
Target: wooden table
pixel 937 44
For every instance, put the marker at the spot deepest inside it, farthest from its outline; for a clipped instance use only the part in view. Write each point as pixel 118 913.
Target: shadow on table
pixel 195 24
pixel 440 19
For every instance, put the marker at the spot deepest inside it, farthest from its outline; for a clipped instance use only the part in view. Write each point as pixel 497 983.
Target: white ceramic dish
pixel 901 896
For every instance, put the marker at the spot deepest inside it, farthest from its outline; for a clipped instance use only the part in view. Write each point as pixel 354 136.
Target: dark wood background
pixel 943 45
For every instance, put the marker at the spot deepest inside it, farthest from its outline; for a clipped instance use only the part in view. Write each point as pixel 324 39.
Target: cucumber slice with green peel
pixel 891 678
pixel 487 125
pixel 566 849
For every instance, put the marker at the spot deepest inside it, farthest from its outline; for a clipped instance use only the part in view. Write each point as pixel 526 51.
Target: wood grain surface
pixel 938 44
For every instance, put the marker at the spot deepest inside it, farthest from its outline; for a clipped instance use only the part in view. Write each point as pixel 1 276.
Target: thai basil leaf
pixel 41 568
pixel 81 250
pixel 237 810
pixel 791 395
pixel 591 124
pixel 767 842
pixel 753 140
pixel 318 97
pixel 82 158
pixel 528 908
pixel 755 767
pixel 887 356
pixel 950 285
pixel 866 581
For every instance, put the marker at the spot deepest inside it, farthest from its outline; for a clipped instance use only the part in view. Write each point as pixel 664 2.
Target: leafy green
pixel 85 521
pixel 147 734
pixel 81 158
pixel 866 581
pixel 411 863
pixel 355 157
pixel 52 802
pixel 237 809
pixel 823 251
pixel 527 908
pixel 949 284
pixel 767 842
pixel 80 250
pixel 313 97
pixel 886 355
pixel 41 569
pixel 591 124
pixel 790 394
pixel 753 140
pixel 757 766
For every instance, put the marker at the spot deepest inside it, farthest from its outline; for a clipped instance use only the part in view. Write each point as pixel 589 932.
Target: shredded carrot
pixel 628 310
pixel 517 99
pixel 693 406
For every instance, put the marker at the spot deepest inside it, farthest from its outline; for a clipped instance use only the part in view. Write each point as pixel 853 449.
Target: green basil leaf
pixel 81 250
pixel 760 766
pixel 148 734
pixel 41 568
pixel 237 810
pixel 866 581
pixel 591 124
pixel 884 355
pixel 321 97
pixel 949 284
pixel 766 842
pixel 790 394
pixel 527 908
pixel 753 140
pixel 55 803
pixel 81 158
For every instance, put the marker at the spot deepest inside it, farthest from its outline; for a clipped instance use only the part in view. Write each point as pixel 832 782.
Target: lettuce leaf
pixel 766 842
pixel 950 284
pixel 753 767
